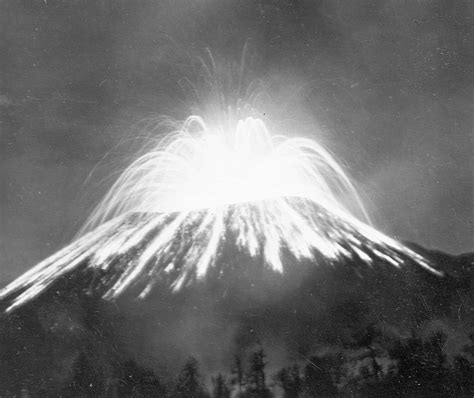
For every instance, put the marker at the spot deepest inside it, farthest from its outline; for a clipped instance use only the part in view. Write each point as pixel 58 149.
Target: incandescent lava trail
pixel 168 215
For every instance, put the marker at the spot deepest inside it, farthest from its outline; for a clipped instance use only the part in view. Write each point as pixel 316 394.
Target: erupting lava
pixel 167 216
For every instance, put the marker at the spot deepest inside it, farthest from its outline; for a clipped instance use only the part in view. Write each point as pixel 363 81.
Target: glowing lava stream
pixel 169 213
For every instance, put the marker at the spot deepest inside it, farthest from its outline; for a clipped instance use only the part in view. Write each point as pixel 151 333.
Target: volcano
pixel 139 252
pixel 212 243
pixel 67 306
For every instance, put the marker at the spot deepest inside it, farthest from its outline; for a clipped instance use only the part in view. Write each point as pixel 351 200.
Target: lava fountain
pixel 168 215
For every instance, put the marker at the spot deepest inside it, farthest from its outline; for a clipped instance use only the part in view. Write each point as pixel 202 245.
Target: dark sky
pixel 389 83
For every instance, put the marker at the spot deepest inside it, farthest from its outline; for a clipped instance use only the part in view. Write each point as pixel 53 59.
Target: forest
pixel 409 367
pixel 418 367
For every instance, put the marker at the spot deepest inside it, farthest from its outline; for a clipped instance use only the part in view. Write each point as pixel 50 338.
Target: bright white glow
pixel 200 167
pixel 171 211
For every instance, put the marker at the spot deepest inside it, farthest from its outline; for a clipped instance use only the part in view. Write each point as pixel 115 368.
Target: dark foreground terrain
pixel 346 330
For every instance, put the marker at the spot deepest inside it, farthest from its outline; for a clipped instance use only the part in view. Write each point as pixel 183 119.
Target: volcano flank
pixel 139 252
pixel 238 305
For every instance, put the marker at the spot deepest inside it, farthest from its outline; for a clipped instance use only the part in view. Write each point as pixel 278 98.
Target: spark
pixel 169 214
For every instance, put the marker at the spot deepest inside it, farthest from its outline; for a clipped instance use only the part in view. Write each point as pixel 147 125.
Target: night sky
pixel 388 83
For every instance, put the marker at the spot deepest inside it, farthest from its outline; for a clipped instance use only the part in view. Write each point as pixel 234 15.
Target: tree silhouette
pixel 220 388
pixel 137 381
pixel 290 380
pixel 189 383
pixel 237 379
pixel 422 366
pixel 256 386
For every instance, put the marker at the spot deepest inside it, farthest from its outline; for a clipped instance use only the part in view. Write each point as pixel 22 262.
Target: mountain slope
pixel 137 251
pixel 239 304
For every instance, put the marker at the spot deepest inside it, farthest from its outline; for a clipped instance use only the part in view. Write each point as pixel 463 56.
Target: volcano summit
pixel 203 192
